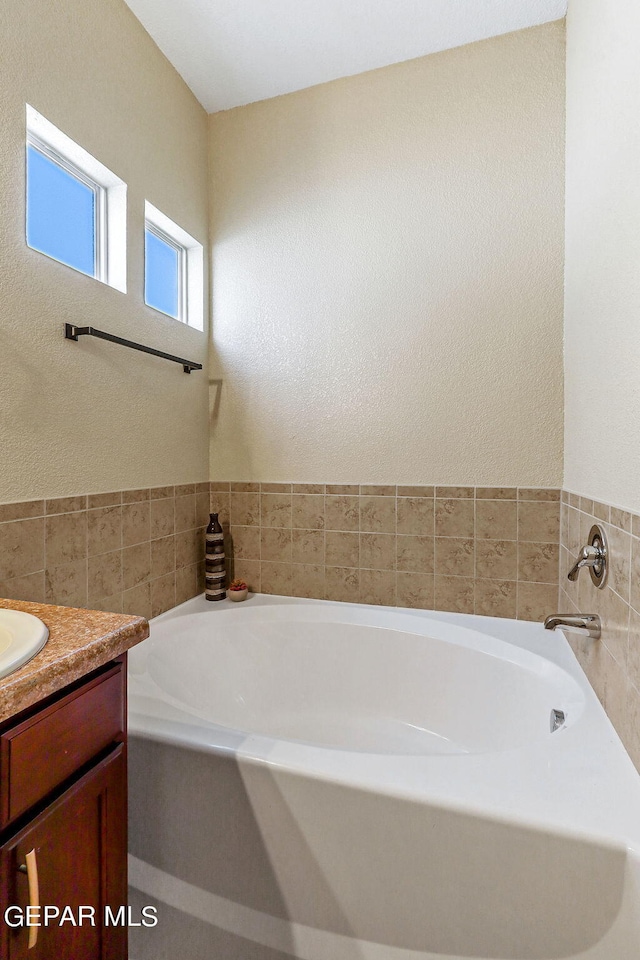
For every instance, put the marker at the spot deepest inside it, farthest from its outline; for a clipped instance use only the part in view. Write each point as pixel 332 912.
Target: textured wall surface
pixel 387 273
pixel 602 352
pixel 94 416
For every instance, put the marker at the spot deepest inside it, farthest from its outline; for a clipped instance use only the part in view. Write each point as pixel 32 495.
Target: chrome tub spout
pixel 587 624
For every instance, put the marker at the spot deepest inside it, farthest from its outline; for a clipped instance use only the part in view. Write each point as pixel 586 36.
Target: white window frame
pixel 110 192
pixel 190 266
pixel 100 262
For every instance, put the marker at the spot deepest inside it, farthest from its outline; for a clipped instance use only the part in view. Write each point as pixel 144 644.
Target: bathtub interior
pixel 346 680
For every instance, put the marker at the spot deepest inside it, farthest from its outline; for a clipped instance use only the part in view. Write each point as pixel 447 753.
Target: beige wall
pixel 90 417
pixel 387 273
pixel 602 343
pixel 602 352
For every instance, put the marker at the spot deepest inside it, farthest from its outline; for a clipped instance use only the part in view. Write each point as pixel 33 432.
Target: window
pixel 76 208
pixel 63 211
pixel 165 273
pixel 173 269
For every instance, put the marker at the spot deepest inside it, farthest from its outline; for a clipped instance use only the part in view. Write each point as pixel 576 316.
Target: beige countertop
pixel 79 642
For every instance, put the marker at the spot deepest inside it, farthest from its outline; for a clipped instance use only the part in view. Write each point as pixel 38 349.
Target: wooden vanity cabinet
pixel 63 814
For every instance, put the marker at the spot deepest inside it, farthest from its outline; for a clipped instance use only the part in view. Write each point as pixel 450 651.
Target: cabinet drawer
pixel 42 751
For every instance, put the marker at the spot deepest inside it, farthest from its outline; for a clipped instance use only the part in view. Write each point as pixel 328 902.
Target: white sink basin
pixel 21 637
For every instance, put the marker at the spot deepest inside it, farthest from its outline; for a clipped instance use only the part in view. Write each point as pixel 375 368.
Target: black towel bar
pixel 72 332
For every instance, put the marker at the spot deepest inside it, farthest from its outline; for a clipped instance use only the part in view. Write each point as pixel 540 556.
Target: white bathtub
pixel 334 781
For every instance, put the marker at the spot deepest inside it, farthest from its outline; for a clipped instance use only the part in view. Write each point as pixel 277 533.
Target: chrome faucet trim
pixel 588 557
pixel 594 556
pixel 587 624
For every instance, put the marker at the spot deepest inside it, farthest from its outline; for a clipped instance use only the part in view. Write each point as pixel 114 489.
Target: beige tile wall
pixel 136 551
pixel 612 664
pixel 488 550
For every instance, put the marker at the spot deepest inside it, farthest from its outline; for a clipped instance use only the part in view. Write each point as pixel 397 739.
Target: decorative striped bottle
pixel 215 570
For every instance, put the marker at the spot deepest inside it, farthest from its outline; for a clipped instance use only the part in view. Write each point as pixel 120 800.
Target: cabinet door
pixel 80 849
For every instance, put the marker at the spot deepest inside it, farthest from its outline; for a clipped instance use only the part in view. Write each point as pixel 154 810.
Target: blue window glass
pixel 61 213
pixel 162 264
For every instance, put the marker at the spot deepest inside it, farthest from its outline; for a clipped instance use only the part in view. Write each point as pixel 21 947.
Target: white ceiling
pixel 232 52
